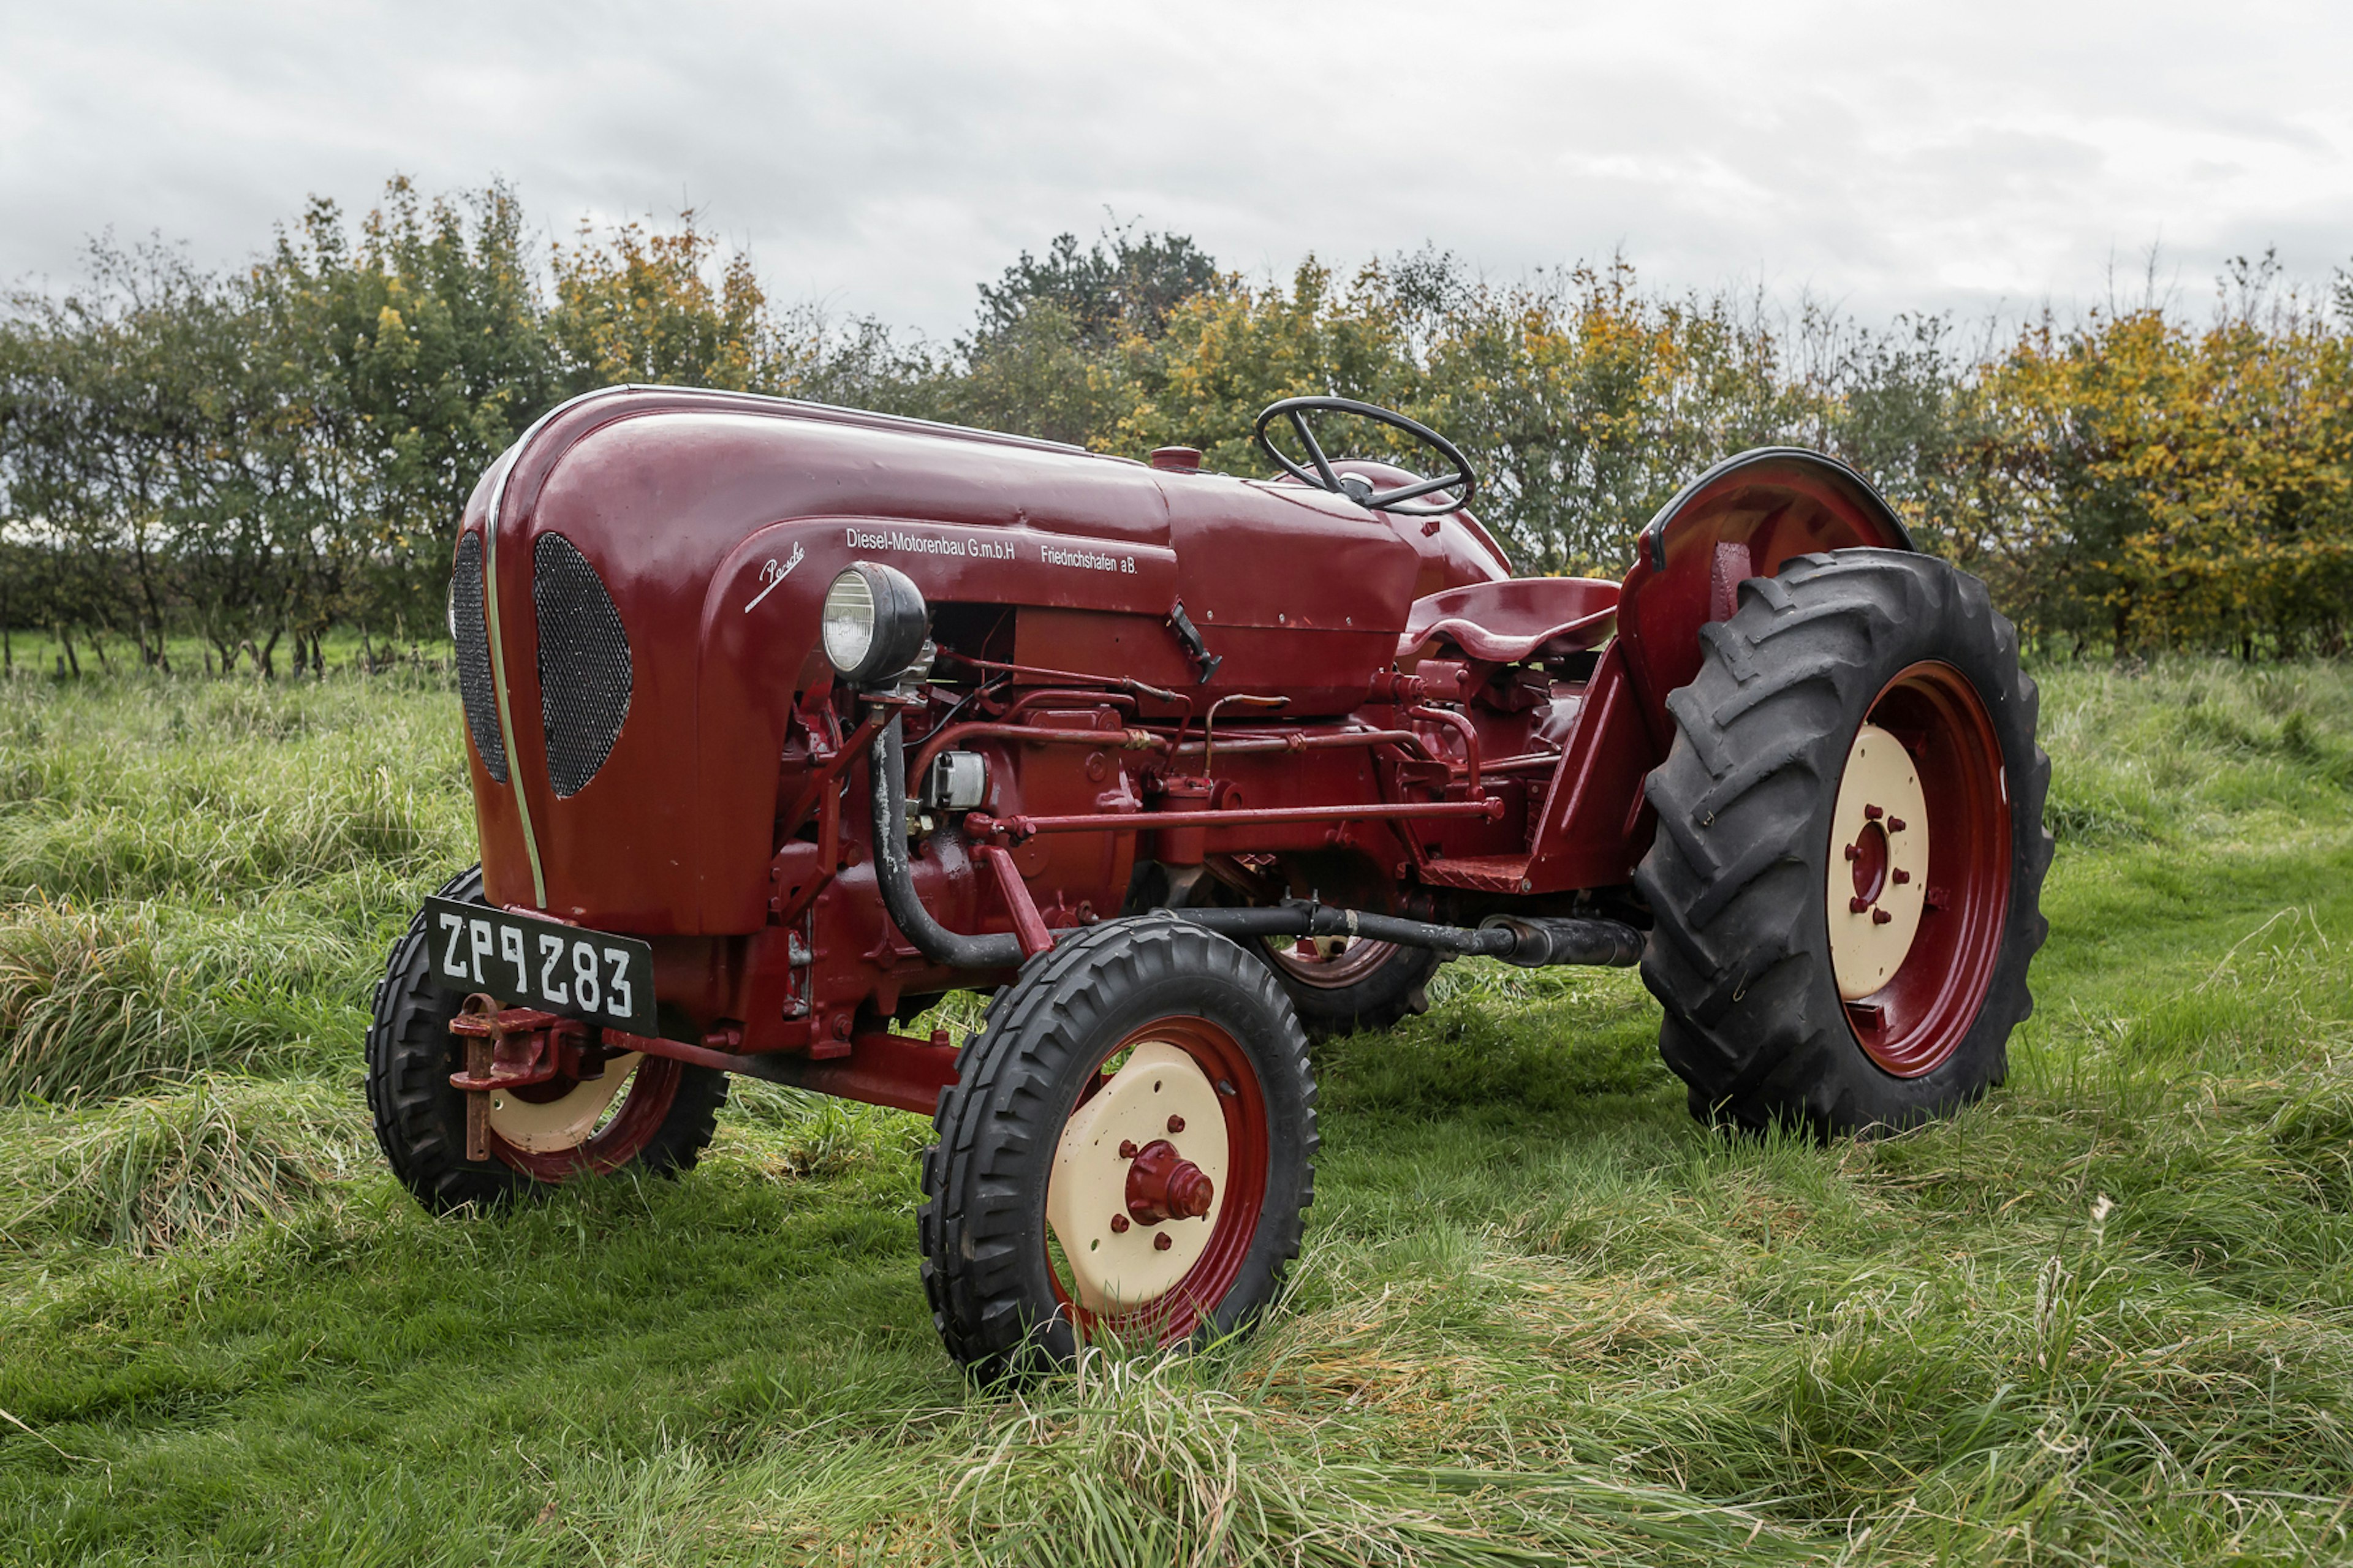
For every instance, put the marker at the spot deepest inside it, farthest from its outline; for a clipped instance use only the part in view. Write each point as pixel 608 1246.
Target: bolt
pixel 1873 813
pixel 1127 1148
pixel 1880 917
pixel 1162 1242
pixel 1853 852
pixel 1857 905
pixel 1894 825
pixel 1176 1124
pixel 1118 1224
pixel 1901 876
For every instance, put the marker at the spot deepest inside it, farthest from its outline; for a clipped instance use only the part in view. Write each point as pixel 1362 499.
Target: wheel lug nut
pixel 1900 875
pixel 1880 917
pixel 1162 1242
pixel 1873 813
pixel 1853 853
pixel 1118 1224
pixel 1176 1124
pixel 1127 1148
pixel 1857 905
pixel 1894 825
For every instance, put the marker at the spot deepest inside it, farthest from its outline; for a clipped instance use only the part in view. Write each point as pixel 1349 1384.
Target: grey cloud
pixel 885 159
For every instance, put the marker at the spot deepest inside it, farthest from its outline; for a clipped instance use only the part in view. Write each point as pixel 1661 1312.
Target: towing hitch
pixel 515 1048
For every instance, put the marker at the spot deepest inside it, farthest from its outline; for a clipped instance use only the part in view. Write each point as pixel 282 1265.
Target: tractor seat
pixel 1512 620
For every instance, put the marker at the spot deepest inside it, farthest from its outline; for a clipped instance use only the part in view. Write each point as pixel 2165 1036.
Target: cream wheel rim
pixel 553 1126
pixel 1878 878
pixel 1115 1261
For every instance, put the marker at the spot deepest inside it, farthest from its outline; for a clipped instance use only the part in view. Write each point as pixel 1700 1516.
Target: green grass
pixel 2105 1317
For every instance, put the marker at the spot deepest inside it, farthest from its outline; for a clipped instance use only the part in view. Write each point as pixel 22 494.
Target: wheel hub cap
pixel 1162 1184
pixel 1139 1180
pixel 1879 863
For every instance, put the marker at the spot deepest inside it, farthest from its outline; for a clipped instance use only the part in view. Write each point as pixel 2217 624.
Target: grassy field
pixel 2105 1317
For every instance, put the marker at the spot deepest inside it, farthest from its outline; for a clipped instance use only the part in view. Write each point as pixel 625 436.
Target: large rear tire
pixel 1846 878
pixel 661 1117
pixel 1126 1151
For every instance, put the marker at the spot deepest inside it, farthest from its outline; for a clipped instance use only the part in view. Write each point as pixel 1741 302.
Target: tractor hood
pixel 636 595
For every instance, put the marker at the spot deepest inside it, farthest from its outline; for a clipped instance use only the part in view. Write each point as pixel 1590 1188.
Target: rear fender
pixel 1742 519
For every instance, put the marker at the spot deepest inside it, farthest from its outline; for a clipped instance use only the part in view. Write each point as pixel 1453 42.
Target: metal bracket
pixel 1190 636
pixel 524 1047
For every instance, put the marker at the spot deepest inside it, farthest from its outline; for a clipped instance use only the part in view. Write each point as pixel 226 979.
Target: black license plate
pixel 529 962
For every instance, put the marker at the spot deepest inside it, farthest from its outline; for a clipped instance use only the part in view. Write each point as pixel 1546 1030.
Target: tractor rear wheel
pixel 1338 984
pixel 1125 1152
pixel 1846 878
pixel 656 1112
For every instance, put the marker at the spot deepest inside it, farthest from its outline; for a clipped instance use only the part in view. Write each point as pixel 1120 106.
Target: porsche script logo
pixel 773 574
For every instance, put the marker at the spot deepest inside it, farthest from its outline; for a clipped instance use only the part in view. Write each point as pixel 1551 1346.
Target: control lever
pixel 1190 636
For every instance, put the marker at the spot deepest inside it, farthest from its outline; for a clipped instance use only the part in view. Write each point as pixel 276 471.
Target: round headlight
pixel 875 623
pixel 848 620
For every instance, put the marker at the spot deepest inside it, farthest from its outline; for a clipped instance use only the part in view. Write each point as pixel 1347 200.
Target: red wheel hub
pixel 1163 1185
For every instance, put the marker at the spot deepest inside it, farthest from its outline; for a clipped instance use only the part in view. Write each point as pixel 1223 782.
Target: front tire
pixel 1067 1198
pixel 661 1117
pixel 1846 878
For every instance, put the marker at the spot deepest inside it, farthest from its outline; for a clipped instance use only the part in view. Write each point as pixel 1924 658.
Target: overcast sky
pixel 883 158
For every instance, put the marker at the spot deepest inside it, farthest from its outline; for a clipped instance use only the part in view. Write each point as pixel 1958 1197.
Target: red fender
pixel 1741 519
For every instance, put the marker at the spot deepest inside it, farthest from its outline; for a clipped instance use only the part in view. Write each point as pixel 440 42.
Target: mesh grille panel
pixel 474 656
pixel 584 663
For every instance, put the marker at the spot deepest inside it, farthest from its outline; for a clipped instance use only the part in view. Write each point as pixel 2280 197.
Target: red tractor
pixel 787 719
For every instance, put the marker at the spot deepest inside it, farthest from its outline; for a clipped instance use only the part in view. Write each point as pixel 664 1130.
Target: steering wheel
pixel 1396 498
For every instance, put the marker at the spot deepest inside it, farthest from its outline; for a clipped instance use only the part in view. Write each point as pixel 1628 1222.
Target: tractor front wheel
pixel 1125 1154
pixel 1845 881
pixel 656 1112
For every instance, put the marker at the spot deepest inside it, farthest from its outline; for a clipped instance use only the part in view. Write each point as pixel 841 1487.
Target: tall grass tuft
pixel 85 1004
pixel 1135 1462
pixel 151 1173
pixel 106 999
pixel 225 790
pixel 2146 754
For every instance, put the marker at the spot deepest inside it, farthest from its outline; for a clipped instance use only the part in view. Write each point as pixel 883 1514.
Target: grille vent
pixel 474 656
pixel 585 675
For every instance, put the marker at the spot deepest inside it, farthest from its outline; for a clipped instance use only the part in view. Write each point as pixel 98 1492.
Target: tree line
pixel 249 460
